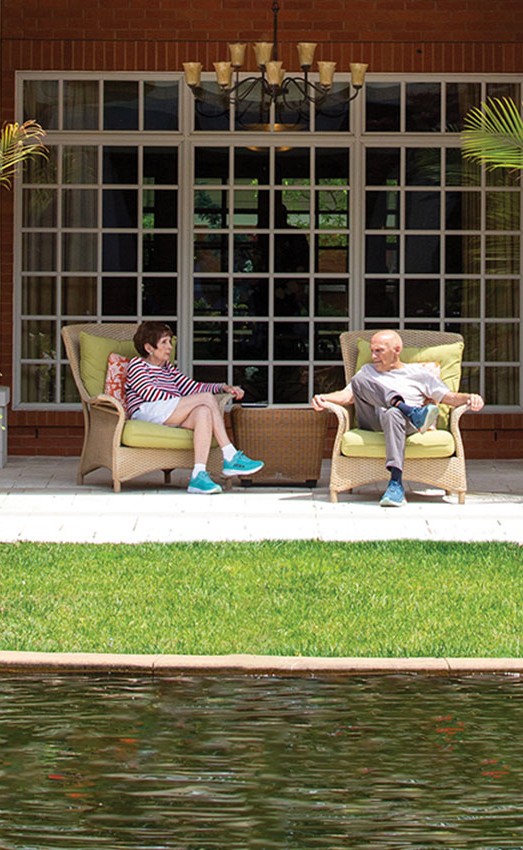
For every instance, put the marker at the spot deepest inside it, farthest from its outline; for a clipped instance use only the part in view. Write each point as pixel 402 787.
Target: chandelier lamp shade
pixel 273 83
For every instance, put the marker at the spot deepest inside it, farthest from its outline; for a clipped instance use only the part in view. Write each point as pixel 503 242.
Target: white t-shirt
pixel 412 382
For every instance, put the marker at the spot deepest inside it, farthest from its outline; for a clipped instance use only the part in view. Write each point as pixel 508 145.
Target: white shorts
pixel 156 411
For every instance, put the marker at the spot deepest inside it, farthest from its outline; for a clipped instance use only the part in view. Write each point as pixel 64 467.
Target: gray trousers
pixel 373 412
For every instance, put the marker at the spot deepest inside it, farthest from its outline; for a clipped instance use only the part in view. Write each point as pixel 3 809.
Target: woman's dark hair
pixel 150 333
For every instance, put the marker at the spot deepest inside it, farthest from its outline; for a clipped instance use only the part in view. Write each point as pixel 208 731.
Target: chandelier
pixel 272 85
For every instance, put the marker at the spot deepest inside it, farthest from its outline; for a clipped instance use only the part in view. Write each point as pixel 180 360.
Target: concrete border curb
pixel 65 663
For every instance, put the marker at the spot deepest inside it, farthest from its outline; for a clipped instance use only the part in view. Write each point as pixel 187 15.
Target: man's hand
pixel 237 392
pixel 344 396
pixel 475 402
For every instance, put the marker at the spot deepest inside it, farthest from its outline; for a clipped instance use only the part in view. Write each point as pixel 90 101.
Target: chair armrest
pixel 108 413
pixel 224 400
pixel 343 417
pixel 455 415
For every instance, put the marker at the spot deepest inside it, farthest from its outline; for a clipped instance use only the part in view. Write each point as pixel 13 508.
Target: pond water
pixel 236 763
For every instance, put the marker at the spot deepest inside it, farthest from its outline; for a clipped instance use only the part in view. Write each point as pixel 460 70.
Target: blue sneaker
pixel 424 418
pixel 241 465
pixel 203 483
pixel 394 496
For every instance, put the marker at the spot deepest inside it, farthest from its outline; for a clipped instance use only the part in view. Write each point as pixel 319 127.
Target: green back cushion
pixel 448 356
pixel 94 351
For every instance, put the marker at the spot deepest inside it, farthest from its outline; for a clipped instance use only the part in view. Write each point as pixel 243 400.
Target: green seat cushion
pixel 359 443
pixel 147 435
pixel 94 351
pixel 448 357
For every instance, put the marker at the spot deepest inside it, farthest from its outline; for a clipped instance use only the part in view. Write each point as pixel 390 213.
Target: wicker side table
pixel 290 441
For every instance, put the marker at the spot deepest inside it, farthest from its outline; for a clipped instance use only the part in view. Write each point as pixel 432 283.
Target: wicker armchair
pixel 347 472
pixel 107 430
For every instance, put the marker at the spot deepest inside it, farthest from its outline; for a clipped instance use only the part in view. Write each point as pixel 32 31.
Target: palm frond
pixel 19 143
pixel 493 134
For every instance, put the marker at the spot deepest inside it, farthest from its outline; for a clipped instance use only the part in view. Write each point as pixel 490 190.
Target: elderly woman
pixel 158 392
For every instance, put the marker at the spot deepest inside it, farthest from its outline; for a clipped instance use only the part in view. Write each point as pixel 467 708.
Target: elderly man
pixel 395 398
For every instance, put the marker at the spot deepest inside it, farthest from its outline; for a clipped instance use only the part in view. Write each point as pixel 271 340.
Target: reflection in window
pixel 291 384
pixel 120 104
pixel 79 296
pixel 251 297
pixel 423 107
pixel 422 298
pixel 210 297
pixel 382 107
pixel 382 298
pixel 159 296
pixel 119 296
pixel 160 106
pixel 211 208
pixel 250 340
pixel 81 104
pixel 159 252
pixel 211 253
pixel 41 102
pixel 210 341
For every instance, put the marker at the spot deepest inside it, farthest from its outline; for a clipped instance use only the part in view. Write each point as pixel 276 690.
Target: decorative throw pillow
pixel 94 351
pixel 117 366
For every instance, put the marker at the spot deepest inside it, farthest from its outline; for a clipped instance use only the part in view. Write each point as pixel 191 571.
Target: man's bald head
pixel 386 347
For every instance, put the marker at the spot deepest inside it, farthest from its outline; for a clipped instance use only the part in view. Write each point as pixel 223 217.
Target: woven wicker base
pixel 290 442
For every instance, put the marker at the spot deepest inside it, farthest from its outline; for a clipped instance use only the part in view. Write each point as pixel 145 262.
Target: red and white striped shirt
pixel 146 382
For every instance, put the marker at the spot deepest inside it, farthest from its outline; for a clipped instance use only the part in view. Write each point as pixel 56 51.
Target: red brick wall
pixel 158 35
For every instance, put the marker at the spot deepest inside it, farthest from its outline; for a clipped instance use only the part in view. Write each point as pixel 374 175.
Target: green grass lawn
pixel 279 598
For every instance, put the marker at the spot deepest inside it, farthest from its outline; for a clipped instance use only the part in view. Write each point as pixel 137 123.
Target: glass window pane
pixel 211 166
pixel 382 166
pixel 460 98
pixel 422 254
pixel 254 380
pixel 502 298
pixel 210 341
pixel 504 89
pixel 39 208
pixel 211 297
pixel 42 169
pixel 463 254
pixel 41 102
pixel 382 210
pixel 332 166
pixel 215 373
pixel 251 166
pixel 470 380
pixel 502 341
pixel 291 114
pixel 251 113
pixel 470 332
pixel 120 165
pixel 38 382
pixel 38 295
pixel 501 385
pixel 119 296
pixel 211 208
pixel 68 392
pixel 331 297
pixel 79 252
pixel 502 254
pixel 422 298
pixel 211 253
pixel 463 210
pixel 160 106
pixel 119 252
pixel 327 340
pixel 251 297
pixel 382 107
pixel 251 208
pixel 423 107
pixel 38 340
pixel 160 209
pixel 80 164
pixel 120 104
pixel 333 114
pixel 159 252
pixel 291 252
pixel 463 298
pixel 422 210
pixel 251 252
pixel 332 209
pixel 79 208
pixel 291 341
pixel 382 254
pixel 291 384
pixel 382 298
pixel 293 166
pixel 251 341
pixel 79 296
pixel 423 166
pixel 292 208
pixel 503 210
pixel 327 379
pixel 332 253
pixel 159 296
pixel 160 166
pixel 459 171
pixel 120 208
pixel 213 113
pixel 81 104
pixel 291 297
pixel 38 252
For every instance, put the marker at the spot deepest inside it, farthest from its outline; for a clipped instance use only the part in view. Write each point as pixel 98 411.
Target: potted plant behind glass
pixel 18 144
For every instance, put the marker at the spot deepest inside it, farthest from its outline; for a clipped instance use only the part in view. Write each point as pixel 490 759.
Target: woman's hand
pixel 237 392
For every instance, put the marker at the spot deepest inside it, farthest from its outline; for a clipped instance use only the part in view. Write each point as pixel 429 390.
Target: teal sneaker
pixel 424 418
pixel 203 483
pixel 241 465
pixel 394 496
